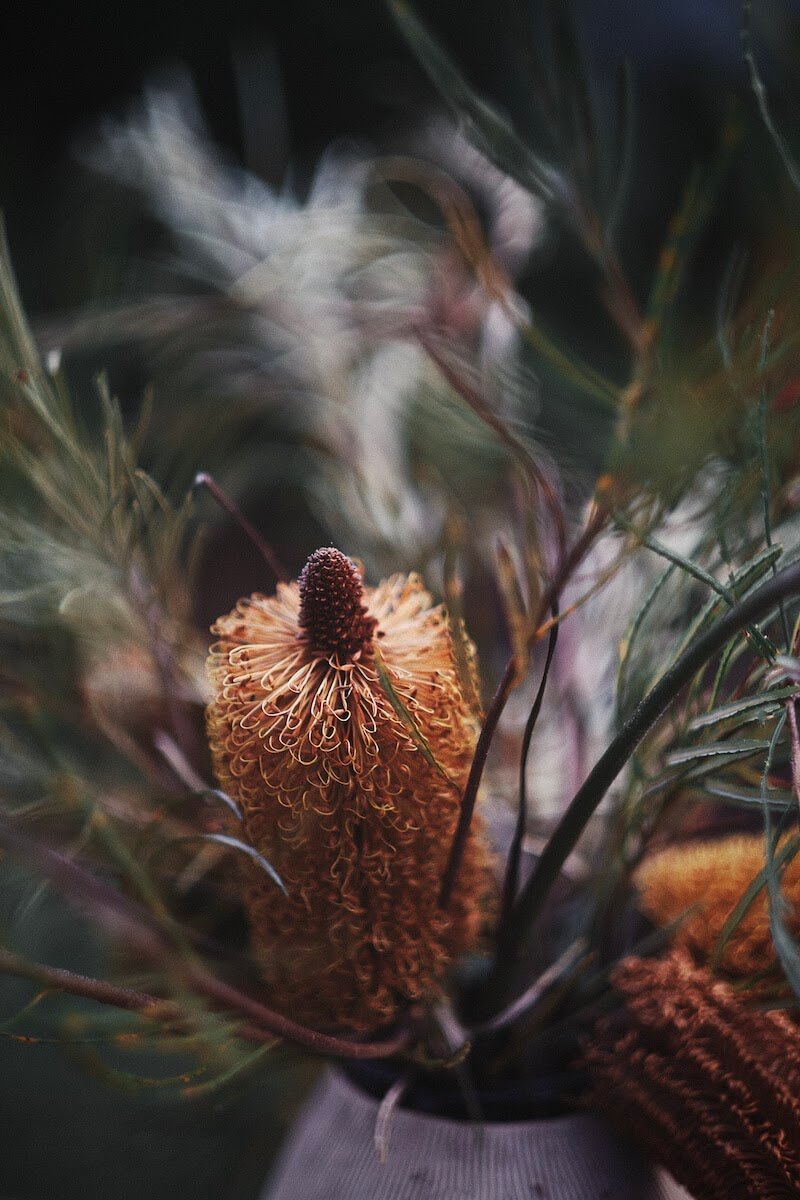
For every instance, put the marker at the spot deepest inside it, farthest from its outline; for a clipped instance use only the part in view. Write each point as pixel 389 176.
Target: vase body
pixel 331 1155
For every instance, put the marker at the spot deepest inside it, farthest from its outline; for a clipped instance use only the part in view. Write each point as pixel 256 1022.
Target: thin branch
pixel 311 1039
pixel 152 1007
pixel 514 444
pixel 760 93
pixel 58 979
pixel 459 844
pixel 265 550
pixel 512 869
pixel 498 703
pixel 118 915
pixel 125 920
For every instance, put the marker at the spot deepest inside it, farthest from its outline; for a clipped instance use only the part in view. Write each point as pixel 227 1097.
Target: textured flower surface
pixel 348 765
pixel 702 882
pixel 708 1085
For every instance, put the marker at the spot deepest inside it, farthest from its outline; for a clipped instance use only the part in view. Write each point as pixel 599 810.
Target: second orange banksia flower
pixel 330 768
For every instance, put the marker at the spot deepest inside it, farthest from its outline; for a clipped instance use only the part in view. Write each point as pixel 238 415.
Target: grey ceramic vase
pixel 330 1155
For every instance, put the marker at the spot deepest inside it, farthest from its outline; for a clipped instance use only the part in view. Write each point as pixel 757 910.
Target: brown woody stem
pixel 203 479
pixel 122 918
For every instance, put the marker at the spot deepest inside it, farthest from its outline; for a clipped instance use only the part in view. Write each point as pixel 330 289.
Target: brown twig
pixel 515 445
pixel 493 715
pixel 121 917
pixel 495 710
pixel 58 979
pixel 283 1027
pixel 265 550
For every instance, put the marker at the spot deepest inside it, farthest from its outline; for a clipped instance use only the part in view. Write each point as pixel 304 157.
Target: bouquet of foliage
pixel 502 787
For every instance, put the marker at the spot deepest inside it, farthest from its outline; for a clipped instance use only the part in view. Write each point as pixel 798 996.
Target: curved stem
pixel 203 479
pixel 60 980
pixel 474 781
pixel 569 829
pixel 290 1031
pixel 511 881
pixel 123 919
pixel 266 1026
pixel 516 447
pixel 571 561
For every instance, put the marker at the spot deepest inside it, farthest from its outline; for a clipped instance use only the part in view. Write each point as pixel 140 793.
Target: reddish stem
pixel 517 447
pixel 265 550
pixel 125 919
pixel 83 985
pixel 474 780
pixel 495 711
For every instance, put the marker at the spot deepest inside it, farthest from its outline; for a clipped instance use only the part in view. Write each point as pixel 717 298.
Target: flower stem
pixel 203 479
pixel 474 780
pixel 60 980
pixel 511 882
pixel 122 918
pixel 266 1025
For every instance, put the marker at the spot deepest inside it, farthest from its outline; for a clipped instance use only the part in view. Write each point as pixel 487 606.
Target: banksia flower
pixel 339 726
pixel 708 1085
pixel 705 881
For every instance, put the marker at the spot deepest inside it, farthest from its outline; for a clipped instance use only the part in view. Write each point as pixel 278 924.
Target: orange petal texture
pixel 705 881
pixel 350 788
pixel 709 1086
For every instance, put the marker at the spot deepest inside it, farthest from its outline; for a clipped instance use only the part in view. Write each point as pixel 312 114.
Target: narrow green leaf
pixel 785 946
pixel 626 135
pixel 230 843
pixel 785 855
pixel 405 716
pixel 733 749
pixel 490 132
pixel 741 582
pixel 242 1067
pixel 572 368
pixel 631 634
pixel 779 798
pixel 752 705
pixel 222 797
pixel 762 643
pixel 224 839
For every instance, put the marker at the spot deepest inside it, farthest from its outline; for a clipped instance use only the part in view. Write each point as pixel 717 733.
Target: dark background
pixel 345 72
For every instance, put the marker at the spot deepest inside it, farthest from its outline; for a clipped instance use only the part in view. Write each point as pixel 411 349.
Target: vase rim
pixel 339 1081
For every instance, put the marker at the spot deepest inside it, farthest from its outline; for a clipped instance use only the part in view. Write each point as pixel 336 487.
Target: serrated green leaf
pixel 749 705
pixel 405 716
pixel 779 798
pixel 739 748
pixel 742 580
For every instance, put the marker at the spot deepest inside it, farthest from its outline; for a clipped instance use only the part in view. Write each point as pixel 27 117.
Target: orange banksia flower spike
pixel 701 883
pixel 339 725
pixel 710 1086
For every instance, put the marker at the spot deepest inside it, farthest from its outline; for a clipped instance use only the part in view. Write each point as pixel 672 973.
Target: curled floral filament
pixel 335 791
